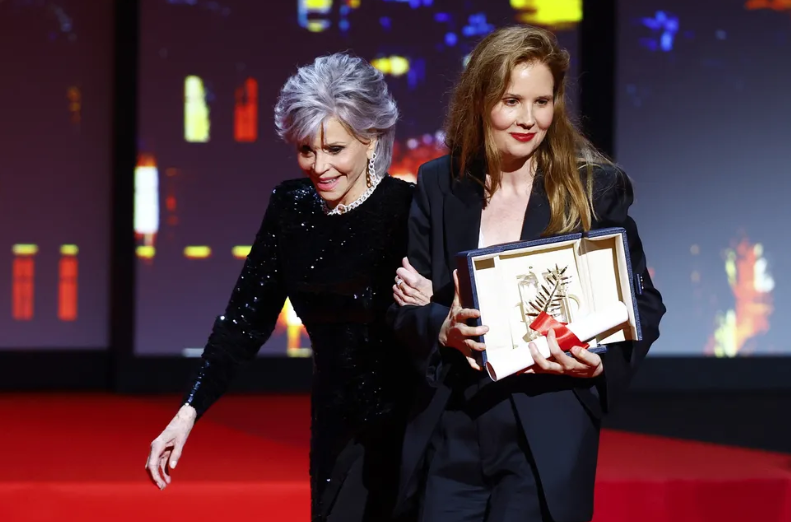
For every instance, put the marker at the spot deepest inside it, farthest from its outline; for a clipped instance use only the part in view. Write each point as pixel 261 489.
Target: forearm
pixel 250 315
pixel 417 328
pixel 228 348
pixel 622 360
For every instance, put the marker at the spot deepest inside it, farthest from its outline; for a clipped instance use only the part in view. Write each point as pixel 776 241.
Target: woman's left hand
pixel 410 287
pixel 583 364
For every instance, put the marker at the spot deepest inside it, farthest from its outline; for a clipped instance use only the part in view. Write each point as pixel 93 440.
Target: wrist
pixel 187 413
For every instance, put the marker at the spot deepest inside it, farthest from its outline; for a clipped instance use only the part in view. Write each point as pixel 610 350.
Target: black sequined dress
pixel 337 271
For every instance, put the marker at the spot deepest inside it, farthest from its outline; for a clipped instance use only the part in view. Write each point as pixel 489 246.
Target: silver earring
pixel 372 169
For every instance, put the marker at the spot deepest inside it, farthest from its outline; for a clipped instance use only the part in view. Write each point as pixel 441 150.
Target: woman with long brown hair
pixel 524 448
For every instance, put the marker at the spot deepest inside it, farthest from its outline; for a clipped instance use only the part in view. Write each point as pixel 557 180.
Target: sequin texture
pixel 338 272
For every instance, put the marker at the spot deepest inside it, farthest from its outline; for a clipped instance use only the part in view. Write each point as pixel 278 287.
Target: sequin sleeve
pixel 249 318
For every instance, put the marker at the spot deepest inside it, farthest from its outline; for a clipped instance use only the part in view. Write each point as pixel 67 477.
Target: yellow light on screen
pixel 318 5
pixel 197 123
pixel 383 64
pixel 549 13
pixel 393 65
pixel 69 250
pixel 317 26
pixel 197 252
pixel 145 252
pixel 241 252
pixel 398 65
pixel 24 250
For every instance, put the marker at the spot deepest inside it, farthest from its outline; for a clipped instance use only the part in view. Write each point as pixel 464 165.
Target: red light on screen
pixel 23 282
pixel 245 128
pixel 74 95
pixel 67 283
pixel 775 5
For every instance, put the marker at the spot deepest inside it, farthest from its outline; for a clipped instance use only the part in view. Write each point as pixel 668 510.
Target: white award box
pixel 581 285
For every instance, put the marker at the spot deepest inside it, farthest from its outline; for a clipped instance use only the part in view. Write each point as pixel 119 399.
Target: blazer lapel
pixel 462 218
pixel 537 213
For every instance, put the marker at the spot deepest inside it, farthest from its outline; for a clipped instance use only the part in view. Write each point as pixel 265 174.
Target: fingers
pixel 410 278
pixel 556 354
pixel 464 330
pixel 473 364
pixel 399 297
pixel 408 266
pixel 591 360
pixel 413 286
pixel 403 296
pixel 152 465
pixel 163 467
pixel 541 363
pixel 465 314
pixel 456 296
pixel 178 447
pixel 560 363
pixel 460 319
pixel 474 345
pixel 407 288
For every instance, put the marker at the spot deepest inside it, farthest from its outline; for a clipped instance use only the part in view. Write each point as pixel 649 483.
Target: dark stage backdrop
pixel 703 127
pixel 210 72
pixel 56 96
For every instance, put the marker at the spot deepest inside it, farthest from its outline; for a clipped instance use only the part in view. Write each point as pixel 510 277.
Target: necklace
pixel 340 208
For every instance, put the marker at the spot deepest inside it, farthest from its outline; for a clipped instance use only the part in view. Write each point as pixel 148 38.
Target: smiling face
pixel 520 120
pixel 337 163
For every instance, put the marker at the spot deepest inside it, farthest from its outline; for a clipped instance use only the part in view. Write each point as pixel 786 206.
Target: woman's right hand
pixel 166 449
pixel 455 332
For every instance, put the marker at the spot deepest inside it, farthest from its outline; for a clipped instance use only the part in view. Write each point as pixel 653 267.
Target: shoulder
pixel 393 197
pixel 436 174
pixel 611 188
pixel 398 187
pixel 396 192
pixel 289 196
pixel 292 190
pixel 299 187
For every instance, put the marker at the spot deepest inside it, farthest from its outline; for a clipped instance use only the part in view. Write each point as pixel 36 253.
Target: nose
pixel 320 165
pixel 526 119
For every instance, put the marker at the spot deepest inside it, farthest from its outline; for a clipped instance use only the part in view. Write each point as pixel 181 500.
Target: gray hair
pixel 347 88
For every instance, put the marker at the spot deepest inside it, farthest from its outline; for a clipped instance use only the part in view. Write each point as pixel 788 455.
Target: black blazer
pixel 560 415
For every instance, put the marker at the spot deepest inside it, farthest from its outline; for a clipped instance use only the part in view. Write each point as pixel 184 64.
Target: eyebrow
pixel 512 95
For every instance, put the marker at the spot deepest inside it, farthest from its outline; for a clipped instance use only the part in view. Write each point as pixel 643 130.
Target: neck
pixel 352 195
pixel 517 175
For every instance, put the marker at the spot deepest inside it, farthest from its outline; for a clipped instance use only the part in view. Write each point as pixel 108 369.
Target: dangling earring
pixel 371 170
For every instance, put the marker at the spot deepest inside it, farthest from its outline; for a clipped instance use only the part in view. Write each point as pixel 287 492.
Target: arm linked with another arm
pixel 418 327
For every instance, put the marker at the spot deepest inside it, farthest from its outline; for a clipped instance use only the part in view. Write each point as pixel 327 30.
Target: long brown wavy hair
pixel 564 152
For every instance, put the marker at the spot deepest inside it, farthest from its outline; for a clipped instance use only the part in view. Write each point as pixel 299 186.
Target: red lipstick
pixel 523 137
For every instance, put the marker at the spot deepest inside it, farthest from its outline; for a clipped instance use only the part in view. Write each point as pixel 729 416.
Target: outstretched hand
pixel 167 447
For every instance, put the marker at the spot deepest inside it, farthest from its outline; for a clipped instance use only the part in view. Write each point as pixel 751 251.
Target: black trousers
pixel 363 484
pixel 479 467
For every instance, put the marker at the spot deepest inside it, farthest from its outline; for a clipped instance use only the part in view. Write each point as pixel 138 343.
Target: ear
pixel 371 148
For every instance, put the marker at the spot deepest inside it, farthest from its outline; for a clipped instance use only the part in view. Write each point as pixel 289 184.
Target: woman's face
pixel 520 120
pixel 337 163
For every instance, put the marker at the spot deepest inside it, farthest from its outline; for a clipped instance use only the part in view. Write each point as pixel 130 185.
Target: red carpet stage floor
pixel 81 458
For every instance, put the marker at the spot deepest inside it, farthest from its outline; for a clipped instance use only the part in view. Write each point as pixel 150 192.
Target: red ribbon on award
pixel 567 339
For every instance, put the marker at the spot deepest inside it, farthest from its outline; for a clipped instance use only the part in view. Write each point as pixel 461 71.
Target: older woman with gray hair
pixel 331 242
